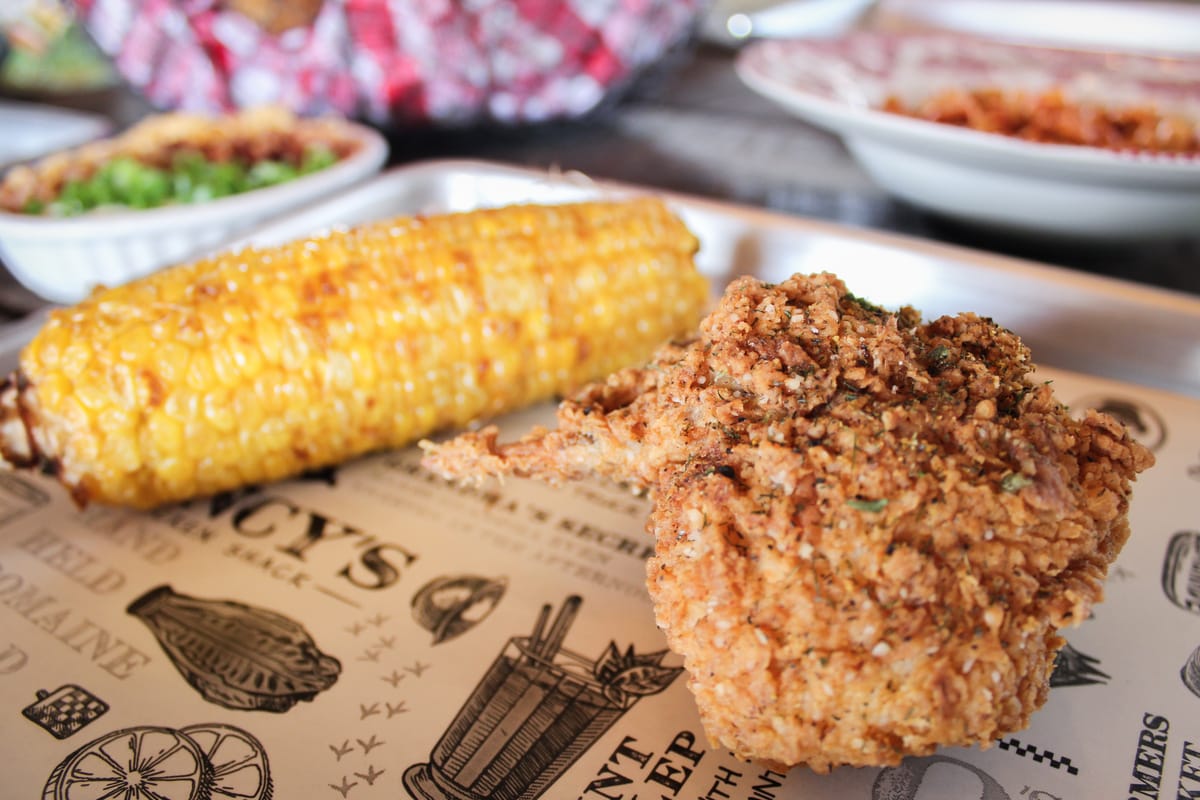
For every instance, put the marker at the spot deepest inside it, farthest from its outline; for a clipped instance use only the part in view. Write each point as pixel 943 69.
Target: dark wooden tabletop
pixel 692 127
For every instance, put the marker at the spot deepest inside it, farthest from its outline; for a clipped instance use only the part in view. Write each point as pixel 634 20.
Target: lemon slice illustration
pixel 240 769
pixel 144 763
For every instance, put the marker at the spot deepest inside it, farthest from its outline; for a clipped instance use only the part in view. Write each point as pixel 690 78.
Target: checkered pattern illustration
pixel 65 710
pixel 1038 755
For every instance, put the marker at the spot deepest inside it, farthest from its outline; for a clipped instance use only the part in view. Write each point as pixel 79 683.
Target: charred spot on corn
pixel 255 365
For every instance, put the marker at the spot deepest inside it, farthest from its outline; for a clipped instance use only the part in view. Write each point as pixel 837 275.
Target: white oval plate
pixel 1146 26
pixel 984 178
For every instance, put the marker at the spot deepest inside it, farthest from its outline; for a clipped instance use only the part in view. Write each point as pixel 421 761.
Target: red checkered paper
pixel 391 61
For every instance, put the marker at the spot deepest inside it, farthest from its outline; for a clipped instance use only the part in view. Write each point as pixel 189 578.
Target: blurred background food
pixel 178 158
pixel 169 188
pixel 44 49
pixel 1068 144
pixel 1051 117
pixel 388 61
pixel 641 91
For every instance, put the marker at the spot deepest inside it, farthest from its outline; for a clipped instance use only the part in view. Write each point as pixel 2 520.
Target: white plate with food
pixel 167 189
pixel 497 640
pixel 1096 162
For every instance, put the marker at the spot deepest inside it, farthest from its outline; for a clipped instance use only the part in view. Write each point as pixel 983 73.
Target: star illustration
pixel 356 629
pixel 344 788
pixel 386 642
pixel 417 668
pixel 393 710
pixel 394 679
pixel 378 620
pixel 370 775
pixel 368 711
pixel 369 744
pixel 342 750
pixel 370 655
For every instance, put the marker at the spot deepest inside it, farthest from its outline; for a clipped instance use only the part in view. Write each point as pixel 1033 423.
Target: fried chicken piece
pixel 868 530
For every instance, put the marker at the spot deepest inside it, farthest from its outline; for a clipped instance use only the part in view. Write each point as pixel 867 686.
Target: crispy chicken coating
pixel 868 530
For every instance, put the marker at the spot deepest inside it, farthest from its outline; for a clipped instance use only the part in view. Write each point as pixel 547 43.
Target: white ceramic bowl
pixel 63 259
pixel 989 179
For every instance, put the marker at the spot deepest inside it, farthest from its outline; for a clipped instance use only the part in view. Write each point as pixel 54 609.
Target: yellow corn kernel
pixel 288 358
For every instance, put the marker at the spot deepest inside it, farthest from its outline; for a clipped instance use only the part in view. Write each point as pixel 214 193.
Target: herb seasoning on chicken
pixel 869 530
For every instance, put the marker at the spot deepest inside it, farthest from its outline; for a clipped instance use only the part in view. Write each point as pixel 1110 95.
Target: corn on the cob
pixel 255 365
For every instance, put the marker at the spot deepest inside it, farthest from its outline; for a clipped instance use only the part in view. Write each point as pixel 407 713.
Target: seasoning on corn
pixel 259 364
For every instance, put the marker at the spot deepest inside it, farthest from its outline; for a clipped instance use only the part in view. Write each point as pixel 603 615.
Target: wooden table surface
pixel 692 127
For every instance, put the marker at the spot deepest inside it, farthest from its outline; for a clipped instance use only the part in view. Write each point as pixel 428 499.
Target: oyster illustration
pixel 237 656
pixel 451 605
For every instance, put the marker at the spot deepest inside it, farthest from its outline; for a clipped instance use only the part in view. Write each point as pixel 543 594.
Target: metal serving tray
pixel 1070 320
pixel 397 609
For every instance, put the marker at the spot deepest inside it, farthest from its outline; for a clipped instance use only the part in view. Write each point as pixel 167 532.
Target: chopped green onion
pixel 189 179
pixel 316 157
pixel 269 173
